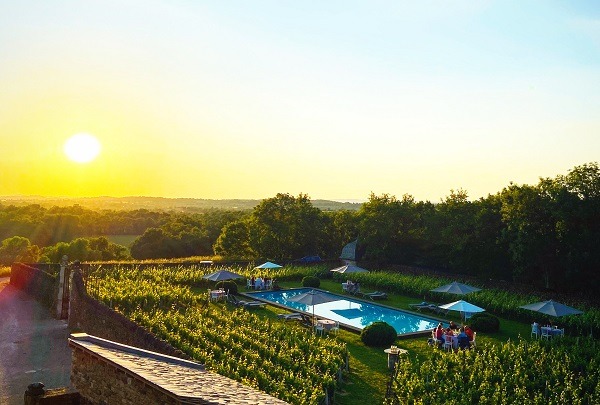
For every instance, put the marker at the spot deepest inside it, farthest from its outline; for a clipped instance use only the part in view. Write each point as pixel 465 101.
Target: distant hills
pixel 159 203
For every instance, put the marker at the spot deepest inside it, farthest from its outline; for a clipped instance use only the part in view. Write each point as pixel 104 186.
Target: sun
pixel 82 148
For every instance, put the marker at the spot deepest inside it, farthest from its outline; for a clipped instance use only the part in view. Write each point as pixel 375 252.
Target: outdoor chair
pixel 535 330
pixel 434 341
pixel 335 329
pixel 472 342
pixel 546 332
pixel 447 343
pixel 319 329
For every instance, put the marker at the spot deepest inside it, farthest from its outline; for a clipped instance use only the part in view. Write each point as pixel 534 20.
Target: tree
pixel 284 227
pixel 18 249
pixel 153 244
pixel 87 249
pixel 531 233
pixel 234 241
pixel 391 229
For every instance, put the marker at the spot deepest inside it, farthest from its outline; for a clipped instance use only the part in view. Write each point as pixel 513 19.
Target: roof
pixel 186 380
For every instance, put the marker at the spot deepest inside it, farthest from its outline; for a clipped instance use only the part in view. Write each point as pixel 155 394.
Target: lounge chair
pixel 246 304
pixel 376 295
pixel 292 316
pixel 438 310
pixel 420 305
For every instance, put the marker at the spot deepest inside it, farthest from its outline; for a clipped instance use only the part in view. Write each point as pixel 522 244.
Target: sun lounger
pixel 376 295
pixel 430 307
pixel 292 316
pixel 437 310
pixel 246 304
pixel 420 305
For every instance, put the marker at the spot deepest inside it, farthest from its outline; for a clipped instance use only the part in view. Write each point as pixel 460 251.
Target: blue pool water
pixel 351 312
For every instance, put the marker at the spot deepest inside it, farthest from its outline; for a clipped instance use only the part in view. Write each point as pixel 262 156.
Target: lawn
pixel 368 377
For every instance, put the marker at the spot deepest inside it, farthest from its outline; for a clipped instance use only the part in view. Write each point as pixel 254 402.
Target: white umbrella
pixel 456 288
pixel 462 306
pixel 313 297
pixel 268 265
pixel 349 268
pixel 222 275
pixel 552 308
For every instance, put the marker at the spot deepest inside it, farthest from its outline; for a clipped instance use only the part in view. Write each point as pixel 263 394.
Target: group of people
pixel 441 335
pixel 260 283
pixel 352 287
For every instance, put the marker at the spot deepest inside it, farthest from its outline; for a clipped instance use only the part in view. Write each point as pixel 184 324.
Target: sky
pixel 334 99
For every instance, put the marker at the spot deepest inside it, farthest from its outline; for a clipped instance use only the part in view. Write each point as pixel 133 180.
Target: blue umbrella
pixel 269 265
pixel 463 306
pixel 456 288
pixel 222 275
pixel 552 308
pixel 349 268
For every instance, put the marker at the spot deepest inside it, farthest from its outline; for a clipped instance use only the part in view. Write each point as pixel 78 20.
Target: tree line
pixel 546 234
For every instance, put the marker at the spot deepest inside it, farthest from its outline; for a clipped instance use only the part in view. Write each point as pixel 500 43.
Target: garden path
pixel 33 345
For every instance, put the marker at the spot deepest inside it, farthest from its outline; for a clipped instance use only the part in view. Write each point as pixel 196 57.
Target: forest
pixel 547 234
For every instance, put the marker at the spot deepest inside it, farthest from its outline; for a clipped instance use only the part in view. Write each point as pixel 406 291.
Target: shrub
pixel 311 281
pixel 484 322
pixel 378 334
pixel 228 285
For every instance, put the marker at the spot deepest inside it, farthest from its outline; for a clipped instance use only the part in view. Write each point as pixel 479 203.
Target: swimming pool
pixel 351 312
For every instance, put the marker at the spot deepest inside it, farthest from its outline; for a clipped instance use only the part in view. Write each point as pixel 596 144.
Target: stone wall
pixel 94 318
pixel 102 383
pixel 36 282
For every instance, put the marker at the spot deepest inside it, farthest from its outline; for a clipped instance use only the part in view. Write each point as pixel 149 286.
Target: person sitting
pixel 448 334
pixel 463 340
pixel 469 332
pixel 253 282
pixel 453 325
pixel 258 283
pixel 439 334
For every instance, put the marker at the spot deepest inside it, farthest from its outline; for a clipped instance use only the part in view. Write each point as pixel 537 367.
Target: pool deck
pixel 409 335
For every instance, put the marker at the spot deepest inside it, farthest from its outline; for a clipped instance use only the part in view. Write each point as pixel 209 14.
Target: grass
pixel 368 377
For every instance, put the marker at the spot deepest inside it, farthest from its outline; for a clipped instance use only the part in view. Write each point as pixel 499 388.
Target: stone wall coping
pixel 179 378
pixel 80 339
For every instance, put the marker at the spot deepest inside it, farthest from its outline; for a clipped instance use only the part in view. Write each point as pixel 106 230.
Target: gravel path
pixel 33 346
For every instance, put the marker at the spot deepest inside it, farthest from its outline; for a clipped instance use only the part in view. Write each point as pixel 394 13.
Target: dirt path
pixel 33 345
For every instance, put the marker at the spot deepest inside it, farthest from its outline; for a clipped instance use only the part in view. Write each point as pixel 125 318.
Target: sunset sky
pixel 335 99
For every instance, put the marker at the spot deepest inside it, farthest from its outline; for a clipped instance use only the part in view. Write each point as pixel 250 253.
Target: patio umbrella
pixel 222 275
pixel 269 265
pixel 552 308
pixel 313 297
pixel 349 268
pixel 456 288
pixel 462 306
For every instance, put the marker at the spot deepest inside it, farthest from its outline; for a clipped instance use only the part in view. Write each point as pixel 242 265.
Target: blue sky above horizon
pixel 334 99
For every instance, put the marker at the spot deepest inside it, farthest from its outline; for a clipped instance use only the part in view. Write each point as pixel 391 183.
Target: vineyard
pixel 291 363
pixel 286 361
pixel 564 371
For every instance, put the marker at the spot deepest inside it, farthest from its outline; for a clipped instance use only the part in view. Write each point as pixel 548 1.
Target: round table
pixel 393 356
pixel 327 323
